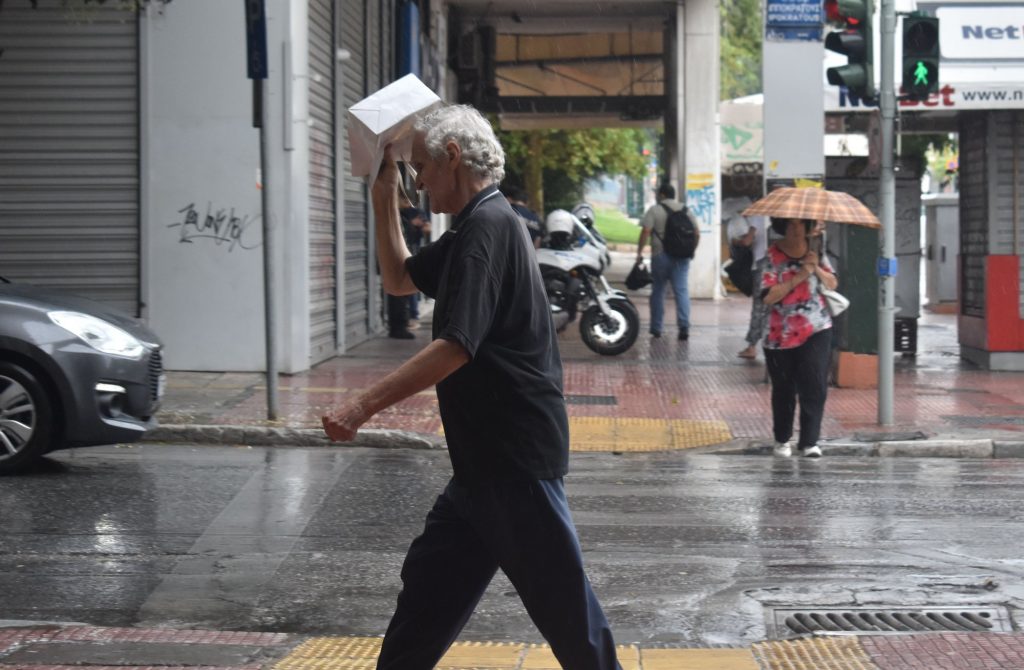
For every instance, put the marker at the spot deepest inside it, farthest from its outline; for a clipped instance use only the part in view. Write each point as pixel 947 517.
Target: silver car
pixel 73 373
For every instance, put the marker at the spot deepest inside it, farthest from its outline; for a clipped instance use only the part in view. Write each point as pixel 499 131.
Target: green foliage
pixel 615 226
pixel 560 190
pixel 568 158
pixel 941 157
pixel 740 64
pixel 581 154
pixel 928 152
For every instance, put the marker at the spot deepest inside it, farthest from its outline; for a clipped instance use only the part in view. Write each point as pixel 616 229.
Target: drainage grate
pixel 891 620
pixel 591 400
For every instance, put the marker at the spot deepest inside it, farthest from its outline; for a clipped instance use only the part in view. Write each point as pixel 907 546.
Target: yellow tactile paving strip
pixel 360 653
pixel 696 659
pixel 821 653
pixel 604 433
pixel 599 433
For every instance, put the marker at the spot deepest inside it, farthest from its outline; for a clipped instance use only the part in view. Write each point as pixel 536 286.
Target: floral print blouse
pixel 800 314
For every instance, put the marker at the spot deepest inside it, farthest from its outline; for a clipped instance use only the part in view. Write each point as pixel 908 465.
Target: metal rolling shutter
pixel 356 235
pixel 69 150
pixel 974 211
pixel 323 294
pixel 1007 191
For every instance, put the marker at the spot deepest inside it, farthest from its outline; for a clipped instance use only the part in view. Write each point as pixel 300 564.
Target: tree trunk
pixel 533 174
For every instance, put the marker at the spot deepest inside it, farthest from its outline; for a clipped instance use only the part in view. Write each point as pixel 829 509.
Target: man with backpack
pixel 674 236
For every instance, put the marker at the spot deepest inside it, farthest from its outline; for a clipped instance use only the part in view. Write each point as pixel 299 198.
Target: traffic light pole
pixel 887 211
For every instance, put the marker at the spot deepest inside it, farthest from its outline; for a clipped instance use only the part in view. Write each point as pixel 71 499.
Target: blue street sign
pixel 887 267
pixel 793 20
pixel 256 38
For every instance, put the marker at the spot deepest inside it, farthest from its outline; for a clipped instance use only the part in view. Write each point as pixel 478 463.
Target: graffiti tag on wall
pixel 222 226
pixel 700 199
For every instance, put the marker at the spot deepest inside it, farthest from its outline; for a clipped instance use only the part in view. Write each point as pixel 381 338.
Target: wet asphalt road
pixel 682 549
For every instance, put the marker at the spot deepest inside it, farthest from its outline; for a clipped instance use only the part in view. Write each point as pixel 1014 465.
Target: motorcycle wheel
pixel 610 336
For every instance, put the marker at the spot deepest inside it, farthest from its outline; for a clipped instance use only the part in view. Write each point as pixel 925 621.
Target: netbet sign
pixel 991 33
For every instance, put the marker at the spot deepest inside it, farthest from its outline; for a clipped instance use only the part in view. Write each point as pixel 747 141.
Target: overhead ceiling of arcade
pixel 575 62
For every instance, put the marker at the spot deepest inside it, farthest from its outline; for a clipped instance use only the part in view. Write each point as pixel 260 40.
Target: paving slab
pixel 134 654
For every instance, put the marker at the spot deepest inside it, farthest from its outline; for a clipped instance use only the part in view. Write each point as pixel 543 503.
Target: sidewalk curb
pixel 267 436
pixel 934 448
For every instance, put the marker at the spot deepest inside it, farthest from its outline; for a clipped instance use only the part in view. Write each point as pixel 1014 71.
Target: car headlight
pixel 98 334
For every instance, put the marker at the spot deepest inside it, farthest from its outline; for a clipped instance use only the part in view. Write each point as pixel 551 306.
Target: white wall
pixel 202 228
pixel 703 185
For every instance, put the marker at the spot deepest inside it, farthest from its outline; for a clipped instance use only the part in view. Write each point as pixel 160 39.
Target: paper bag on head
pixel 384 118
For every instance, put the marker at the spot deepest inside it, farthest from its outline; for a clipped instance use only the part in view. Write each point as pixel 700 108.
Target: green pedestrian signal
pixel 920 56
pixel 921 74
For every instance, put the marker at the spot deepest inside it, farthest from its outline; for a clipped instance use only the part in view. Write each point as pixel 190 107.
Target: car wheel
pixel 26 418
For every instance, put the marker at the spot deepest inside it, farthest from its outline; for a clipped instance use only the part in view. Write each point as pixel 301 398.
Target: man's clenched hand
pixel 342 424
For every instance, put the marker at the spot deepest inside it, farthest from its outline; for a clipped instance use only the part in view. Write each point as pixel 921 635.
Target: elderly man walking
pixel 494 358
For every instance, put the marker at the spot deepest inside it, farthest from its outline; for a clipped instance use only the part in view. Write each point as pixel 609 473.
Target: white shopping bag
pixel 384 118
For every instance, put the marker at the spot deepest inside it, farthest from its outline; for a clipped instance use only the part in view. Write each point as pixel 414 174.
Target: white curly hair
pixel 464 125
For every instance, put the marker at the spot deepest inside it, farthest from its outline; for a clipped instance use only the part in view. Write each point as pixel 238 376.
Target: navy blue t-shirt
pixel 530 218
pixel 503 412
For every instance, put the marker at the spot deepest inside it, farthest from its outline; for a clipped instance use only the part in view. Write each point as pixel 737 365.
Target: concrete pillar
pixel 699 153
pixel 672 143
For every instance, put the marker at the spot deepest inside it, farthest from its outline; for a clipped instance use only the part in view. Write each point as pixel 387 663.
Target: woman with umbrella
pixel 798 344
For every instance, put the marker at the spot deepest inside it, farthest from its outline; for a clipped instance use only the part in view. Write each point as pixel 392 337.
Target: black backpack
pixel 680 239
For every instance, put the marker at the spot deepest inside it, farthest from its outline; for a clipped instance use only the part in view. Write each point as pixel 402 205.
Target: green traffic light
pixel 921 74
pixel 921 56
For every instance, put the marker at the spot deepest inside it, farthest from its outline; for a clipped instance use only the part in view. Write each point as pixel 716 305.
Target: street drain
pixel 591 400
pixel 891 620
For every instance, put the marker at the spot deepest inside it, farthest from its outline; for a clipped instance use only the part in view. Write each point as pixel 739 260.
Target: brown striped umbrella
pixel 815 204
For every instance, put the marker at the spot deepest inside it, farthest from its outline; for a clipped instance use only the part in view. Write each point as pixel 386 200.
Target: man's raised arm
pixel 391 248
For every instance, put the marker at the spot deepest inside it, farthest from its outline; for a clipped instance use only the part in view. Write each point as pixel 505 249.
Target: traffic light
pixel 920 56
pixel 853 40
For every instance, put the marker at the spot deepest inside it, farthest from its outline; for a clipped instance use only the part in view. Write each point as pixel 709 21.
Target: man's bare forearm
pixel 432 364
pixel 644 235
pixel 391 248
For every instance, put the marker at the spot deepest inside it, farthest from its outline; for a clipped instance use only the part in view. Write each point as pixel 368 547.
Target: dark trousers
pixel 398 313
pixel 526 530
pixel 801 372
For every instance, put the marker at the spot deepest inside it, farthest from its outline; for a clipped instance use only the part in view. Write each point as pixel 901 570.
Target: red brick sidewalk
pixel 952 651
pixel 701 379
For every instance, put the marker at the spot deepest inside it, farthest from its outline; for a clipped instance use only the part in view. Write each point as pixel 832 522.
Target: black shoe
pixel 401 335
pixel 654 334
pixel 684 333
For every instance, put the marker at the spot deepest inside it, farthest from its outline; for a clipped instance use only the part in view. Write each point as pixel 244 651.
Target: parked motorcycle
pixel 571 263
pixel 585 213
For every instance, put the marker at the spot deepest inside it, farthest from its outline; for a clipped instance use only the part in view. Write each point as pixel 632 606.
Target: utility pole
pixel 887 215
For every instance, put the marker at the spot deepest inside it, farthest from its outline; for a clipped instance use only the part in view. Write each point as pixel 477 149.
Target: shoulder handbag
pixel 835 301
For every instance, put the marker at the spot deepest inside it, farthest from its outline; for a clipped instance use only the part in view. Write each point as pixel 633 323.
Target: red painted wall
pixel 1005 328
